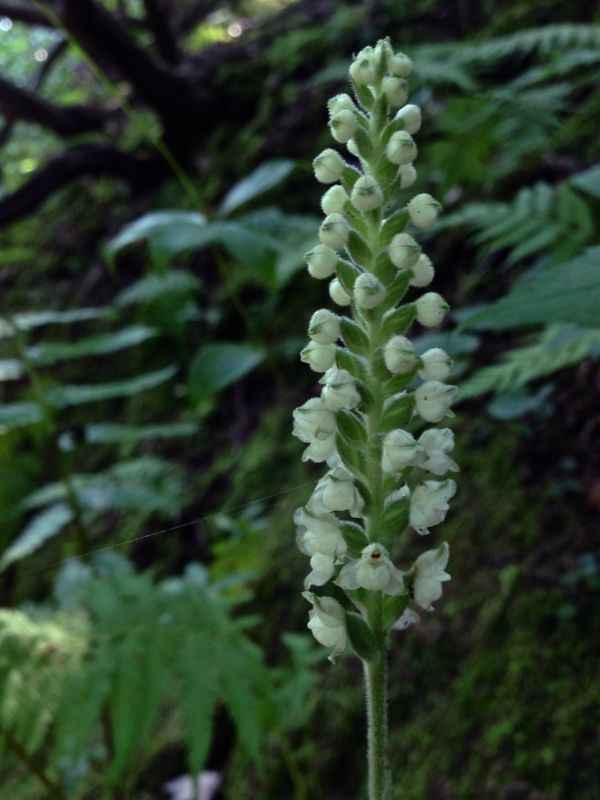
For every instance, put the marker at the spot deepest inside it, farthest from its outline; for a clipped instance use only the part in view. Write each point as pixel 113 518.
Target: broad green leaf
pixel 17 415
pixel 52 352
pixel 264 177
pixel 27 320
pixel 167 233
pixel 64 396
pixel 42 527
pixel 155 286
pixel 114 433
pixel 216 366
pixel 11 369
pixel 588 181
pixel 566 293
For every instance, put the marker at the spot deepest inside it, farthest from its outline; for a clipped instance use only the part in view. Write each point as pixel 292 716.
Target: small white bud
pixel 423 210
pixel 428 575
pixel 399 450
pixel 321 261
pixel 366 194
pixel 319 357
pixel 400 65
pixel 339 390
pixel 411 118
pixel 328 166
pixel 422 272
pixel 336 492
pixel 334 231
pixel 340 102
pixel 404 251
pixel 399 355
pixel 363 69
pixel 431 309
pixel 324 326
pixel 352 147
pixel 338 294
pixel 433 400
pixel 319 534
pixel 313 420
pixel 437 365
pixel 327 623
pixel 401 148
pixel 368 291
pixel 334 200
pixel 343 125
pixel 429 504
pixel 395 90
pixel 407 175
pixel 434 446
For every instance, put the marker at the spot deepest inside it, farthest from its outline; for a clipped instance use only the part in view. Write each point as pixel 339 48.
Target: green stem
pixel 377 723
pixel 54 790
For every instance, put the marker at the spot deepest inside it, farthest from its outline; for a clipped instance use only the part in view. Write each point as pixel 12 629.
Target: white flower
pixel 352 147
pixel 321 261
pixel 324 326
pixel 368 291
pixel 327 623
pixel 343 125
pixel 437 365
pixel 399 450
pixel 429 504
pixel 423 210
pixel 429 574
pixel 313 420
pixel 366 194
pixel 363 70
pixel 422 272
pixel 399 355
pixel 328 166
pixel 339 389
pixel 340 102
pixel 411 118
pixel 431 309
pixel 319 357
pixel 433 400
pixel 400 65
pixel 434 445
pixel 336 491
pixel 334 200
pixel 373 571
pixel 334 231
pixel 395 89
pixel 322 568
pixel 404 251
pixel 401 149
pixel 338 294
pixel 407 175
pixel 406 619
pixel 319 534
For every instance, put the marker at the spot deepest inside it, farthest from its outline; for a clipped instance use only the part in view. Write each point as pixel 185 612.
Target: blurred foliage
pixel 148 367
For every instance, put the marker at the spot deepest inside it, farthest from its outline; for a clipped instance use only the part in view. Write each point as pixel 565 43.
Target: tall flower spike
pixel 375 383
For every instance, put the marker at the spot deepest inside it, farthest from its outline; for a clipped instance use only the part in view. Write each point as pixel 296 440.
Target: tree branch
pixel 23 12
pixel 160 24
pixel 91 160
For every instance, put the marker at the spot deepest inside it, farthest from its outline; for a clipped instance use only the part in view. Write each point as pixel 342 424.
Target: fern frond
pixel 544 40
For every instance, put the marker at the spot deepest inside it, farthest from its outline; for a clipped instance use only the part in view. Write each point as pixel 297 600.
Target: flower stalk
pixel 382 481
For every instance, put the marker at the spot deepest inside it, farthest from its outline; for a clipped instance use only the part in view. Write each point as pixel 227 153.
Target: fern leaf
pixel 197 679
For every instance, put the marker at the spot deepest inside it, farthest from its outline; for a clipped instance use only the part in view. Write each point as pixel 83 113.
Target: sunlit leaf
pixel 51 352
pixel 17 415
pixel 63 396
pixel 42 527
pixel 114 433
pixel 216 366
pixel 264 177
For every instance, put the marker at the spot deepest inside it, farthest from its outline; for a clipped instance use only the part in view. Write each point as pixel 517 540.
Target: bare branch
pixel 159 23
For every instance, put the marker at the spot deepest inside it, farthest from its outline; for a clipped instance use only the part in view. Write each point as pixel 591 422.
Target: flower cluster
pixel 382 478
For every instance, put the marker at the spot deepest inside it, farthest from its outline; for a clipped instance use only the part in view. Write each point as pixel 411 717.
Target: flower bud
pixel 407 175
pixel 352 147
pixel 429 504
pixel 399 451
pixel 334 200
pixel 313 420
pixel 319 534
pixel 368 291
pixel 431 309
pixel 363 69
pixel 395 90
pixel 399 355
pixel 423 210
pixel 428 574
pixel 334 231
pixel 338 294
pixel 437 365
pixel 366 194
pixel 336 492
pixel 400 65
pixel 401 149
pixel 411 118
pixel 404 251
pixel 340 102
pixel 327 623
pixel 434 446
pixel 319 357
pixel 321 261
pixel 406 619
pixel 343 125
pixel 328 166
pixel 372 571
pixel 339 390
pixel 433 400
pixel 422 272
pixel 324 326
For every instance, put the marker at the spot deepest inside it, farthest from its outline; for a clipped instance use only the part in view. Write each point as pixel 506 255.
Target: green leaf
pixel 115 433
pixel 167 233
pixel 397 411
pixel 28 320
pixel 393 606
pixel 397 289
pixel 198 674
pixel 398 383
pixel 264 177
pixel 351 427
pixel 588 181
pixel 354 337
pixel 353 458
pixel 394 224
pixel 397 321
pixel 216 366
pixel 363 142
pixel 64 396
pixel 344 359
pixel 394 518
pixel 18 415
pixel 354 536
pixel 11 369
pixel 156 285
pixel 347 274
pixel 361 636
pixel 53 352
pixel 42 527
pixel 358 248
